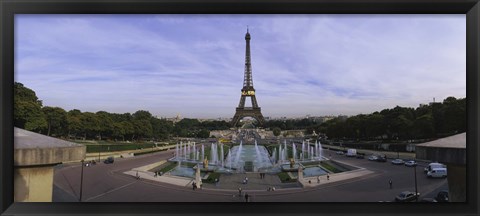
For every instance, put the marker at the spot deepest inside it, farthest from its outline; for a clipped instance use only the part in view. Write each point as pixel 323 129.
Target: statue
pixel 292 162
pixel 205 163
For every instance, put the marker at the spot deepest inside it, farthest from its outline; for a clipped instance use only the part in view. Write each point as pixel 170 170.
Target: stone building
pixel 35 156
pixel 452 152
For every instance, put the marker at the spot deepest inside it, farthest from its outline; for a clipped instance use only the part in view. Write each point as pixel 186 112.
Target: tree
pixel 277 131
pixel 27 109
pixel 90 124
pixel 56 120
pixel 74 122
pixel 105 126
pixel 203 133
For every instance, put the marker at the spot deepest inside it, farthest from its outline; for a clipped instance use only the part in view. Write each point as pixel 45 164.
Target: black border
pixel 10 7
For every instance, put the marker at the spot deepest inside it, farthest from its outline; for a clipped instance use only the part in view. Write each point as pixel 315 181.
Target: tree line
pixel 399 123
pixel 30 114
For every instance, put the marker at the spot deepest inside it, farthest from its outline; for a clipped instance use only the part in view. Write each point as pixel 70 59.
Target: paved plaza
pixel 115 183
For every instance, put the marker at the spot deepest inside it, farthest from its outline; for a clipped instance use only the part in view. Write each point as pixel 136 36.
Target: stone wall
pixel 33 184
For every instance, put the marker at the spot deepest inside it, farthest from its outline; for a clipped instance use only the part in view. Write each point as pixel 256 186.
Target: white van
pixel 437 173
pixel 433 166
pixel 351 152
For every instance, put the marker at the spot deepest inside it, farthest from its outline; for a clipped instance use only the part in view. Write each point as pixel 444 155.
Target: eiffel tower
pixel 248 91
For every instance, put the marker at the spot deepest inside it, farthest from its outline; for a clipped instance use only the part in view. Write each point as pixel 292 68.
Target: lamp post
pixel 415 175
pixel 81 183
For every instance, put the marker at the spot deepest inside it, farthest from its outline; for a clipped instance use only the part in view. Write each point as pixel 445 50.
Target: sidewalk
pixel 334 177
pixel 167 178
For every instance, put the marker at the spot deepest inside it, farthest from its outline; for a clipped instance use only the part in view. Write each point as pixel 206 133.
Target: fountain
pixel 239 150
pixel 221 155
pixel 294 151
pixel 320 151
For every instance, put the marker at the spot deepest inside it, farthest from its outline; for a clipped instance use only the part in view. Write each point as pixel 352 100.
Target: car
pixel 372 158
pixel 442 196
pixel 340 153
pixel 406 196
pixel 437 173
pixel 411 163
pixel 398 162
pixel 381 159
pixel 109 160
pixel 433 166
pixel 360 156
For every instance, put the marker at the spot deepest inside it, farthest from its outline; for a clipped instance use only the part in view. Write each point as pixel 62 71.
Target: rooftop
pixel 456 141
pixel 26 139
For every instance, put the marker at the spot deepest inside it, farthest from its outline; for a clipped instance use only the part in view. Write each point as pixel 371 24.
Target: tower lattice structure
pixel 248 91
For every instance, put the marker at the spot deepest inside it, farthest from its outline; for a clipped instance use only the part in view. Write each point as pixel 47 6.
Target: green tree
pixel 27 109
pixel 105 124
pixel 74 122
pixel 56 120
pixel 276 131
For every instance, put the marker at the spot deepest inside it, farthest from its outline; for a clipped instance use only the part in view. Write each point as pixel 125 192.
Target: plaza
pixel 115 183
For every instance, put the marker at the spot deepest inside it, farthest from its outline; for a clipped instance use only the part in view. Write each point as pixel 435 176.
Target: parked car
pixel 372 158
pixel 398 162
pixel 433 166
pixel 442 196
pixel 340 153
pixel 437 173
pixel 406 196
pixel 109 160
pixel 411 163
pixel 382 159
pixel 351 153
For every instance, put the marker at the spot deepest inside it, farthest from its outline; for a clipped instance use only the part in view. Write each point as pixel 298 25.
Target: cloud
pixel 194 64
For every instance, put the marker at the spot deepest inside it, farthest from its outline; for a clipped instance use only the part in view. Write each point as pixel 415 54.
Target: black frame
pixel 9 8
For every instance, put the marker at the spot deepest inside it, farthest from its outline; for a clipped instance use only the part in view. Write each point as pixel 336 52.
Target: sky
pixel 193 65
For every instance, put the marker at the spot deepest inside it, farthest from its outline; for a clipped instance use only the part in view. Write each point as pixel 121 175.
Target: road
pixel 107 183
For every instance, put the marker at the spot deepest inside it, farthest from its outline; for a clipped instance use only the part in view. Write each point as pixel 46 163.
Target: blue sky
pixel 193 65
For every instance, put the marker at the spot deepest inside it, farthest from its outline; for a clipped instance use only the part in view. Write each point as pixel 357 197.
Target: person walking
pixel 328 176
pixel 194 185
pixel 239 191
pixel 318 179
pixel 246 197
pixel 246 180
pixel 390 183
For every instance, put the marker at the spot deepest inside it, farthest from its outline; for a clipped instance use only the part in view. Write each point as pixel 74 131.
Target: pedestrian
pixel 328 176
pixel 155 174
pixel 390 182
pixel 246 180
pixel 239 191
pixel 138 177
pixel 318 179
pixel 246 197
pixel 273 188
pixel 309 181
pixel 194 186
